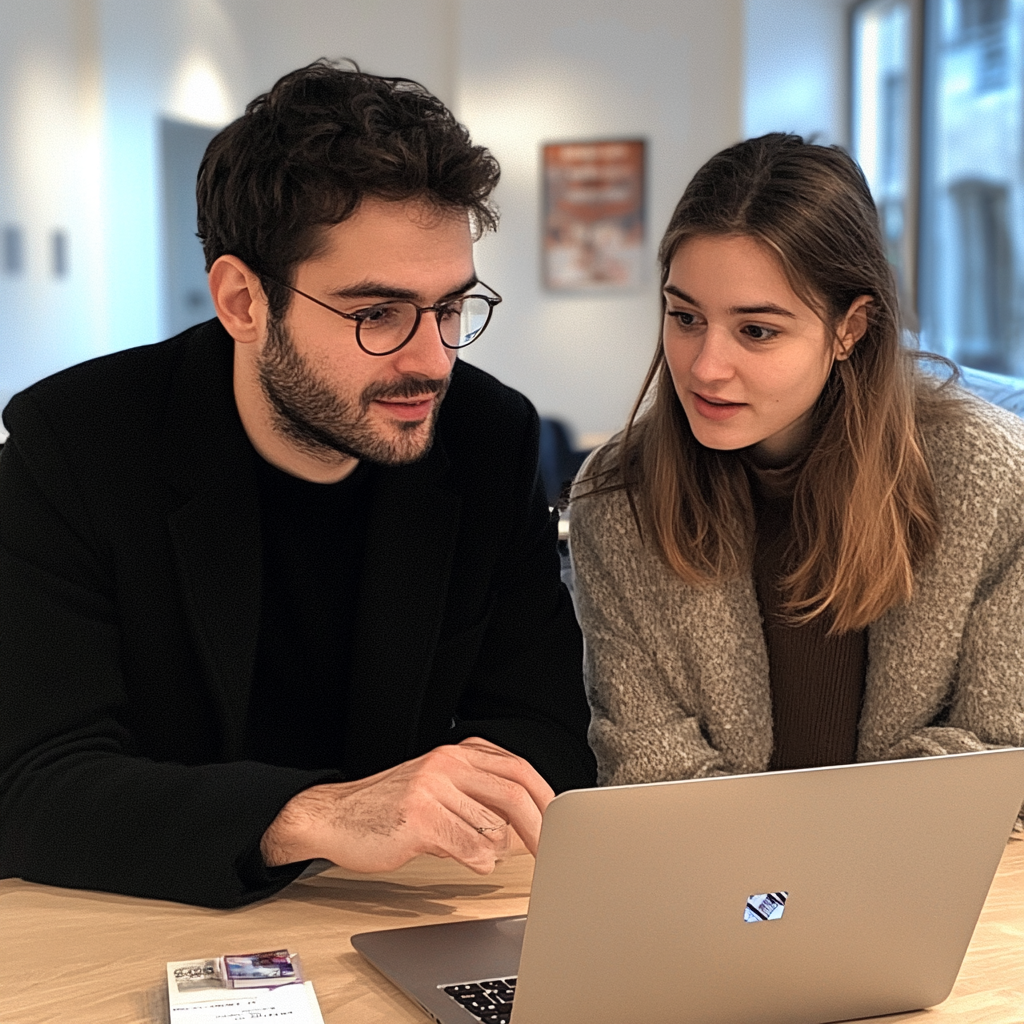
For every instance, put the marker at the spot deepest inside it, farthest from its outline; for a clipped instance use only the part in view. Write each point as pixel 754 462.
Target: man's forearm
pixel 299 830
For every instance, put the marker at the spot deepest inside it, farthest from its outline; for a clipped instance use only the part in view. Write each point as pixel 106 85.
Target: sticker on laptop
pixel 765 906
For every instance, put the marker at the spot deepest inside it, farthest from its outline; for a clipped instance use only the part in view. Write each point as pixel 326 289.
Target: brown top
pixel 678 675
pixel 816 680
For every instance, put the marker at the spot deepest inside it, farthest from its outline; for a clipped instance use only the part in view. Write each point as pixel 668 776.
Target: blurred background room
pixel 107 105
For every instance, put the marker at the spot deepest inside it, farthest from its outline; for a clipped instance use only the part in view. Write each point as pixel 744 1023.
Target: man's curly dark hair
pixel 304 156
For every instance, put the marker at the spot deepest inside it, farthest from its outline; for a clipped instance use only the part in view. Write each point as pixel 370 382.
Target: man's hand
pixel 470 802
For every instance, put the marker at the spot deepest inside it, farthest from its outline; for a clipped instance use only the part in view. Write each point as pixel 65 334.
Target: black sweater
pixel 130 596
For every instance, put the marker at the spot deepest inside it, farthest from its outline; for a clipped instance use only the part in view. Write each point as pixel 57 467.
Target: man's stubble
pixel 316 417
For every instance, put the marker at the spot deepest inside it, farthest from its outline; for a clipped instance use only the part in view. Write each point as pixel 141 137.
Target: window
pixel 884 129
pixel 959 266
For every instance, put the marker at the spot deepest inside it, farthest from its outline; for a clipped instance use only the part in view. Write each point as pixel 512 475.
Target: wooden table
pixel 87 957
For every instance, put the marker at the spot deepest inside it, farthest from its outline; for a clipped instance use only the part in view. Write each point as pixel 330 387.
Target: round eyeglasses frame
pixel 439 309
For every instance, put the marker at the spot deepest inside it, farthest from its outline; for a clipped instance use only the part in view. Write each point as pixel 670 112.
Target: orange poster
pixel 593 215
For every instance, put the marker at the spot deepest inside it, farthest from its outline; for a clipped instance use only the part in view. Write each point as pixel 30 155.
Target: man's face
pixel 328 396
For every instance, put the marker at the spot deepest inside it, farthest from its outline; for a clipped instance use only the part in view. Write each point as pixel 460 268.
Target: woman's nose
pixel 715 359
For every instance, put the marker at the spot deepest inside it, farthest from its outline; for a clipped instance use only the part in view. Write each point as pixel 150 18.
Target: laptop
pixel 793 897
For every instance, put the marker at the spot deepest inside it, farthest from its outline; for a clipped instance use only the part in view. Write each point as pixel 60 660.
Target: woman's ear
pixel 853 327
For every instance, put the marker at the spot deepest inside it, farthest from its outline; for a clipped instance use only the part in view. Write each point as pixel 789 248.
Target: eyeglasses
pixel 385 327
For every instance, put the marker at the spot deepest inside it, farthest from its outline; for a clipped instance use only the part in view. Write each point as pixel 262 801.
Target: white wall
pixel 796 56
pixel 409 38
pixel 50 167
pixel 518 74
pixel 548 70
pixel 203 60
pixel 149 51
pixel 82 86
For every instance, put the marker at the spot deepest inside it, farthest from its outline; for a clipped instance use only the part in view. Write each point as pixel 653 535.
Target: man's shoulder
pixel 475 391
pixel 121 395
pixel 481 412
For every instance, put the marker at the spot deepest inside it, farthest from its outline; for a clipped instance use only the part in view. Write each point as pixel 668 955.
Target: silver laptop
pixel 793 897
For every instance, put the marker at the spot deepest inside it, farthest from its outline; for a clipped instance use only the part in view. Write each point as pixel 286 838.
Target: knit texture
pixel 677 675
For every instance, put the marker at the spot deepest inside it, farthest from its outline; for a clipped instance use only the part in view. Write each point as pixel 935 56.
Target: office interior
pixel 105 106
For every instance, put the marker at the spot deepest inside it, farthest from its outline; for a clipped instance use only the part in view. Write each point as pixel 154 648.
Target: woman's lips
pixel 406 410
pixel 716 409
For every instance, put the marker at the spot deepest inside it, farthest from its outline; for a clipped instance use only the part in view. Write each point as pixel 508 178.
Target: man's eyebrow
pixel 379 290
pixel 765 307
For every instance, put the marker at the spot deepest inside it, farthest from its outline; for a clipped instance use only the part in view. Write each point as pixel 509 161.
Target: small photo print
pixel 247 970
pixel 196 975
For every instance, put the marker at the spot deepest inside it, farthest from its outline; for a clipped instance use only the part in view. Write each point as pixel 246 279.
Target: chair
pixel 1007 392
pixel 559 461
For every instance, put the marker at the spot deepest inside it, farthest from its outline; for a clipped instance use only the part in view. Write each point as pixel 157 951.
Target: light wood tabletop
pixel 92 957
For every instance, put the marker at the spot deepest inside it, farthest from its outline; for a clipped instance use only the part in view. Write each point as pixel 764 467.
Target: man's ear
pixel 853 326
pixel 239 299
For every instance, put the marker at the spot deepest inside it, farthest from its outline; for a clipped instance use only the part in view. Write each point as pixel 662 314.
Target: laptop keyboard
pixel 489 1001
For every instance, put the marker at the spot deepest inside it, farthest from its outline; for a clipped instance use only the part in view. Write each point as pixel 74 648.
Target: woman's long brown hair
pixel 864 509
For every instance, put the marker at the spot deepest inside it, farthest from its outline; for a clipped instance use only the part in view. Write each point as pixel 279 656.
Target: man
pixel 263 597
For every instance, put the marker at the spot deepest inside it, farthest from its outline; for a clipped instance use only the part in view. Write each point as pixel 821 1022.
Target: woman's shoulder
pixel 600 469
pixel 965 430
pixel 599 503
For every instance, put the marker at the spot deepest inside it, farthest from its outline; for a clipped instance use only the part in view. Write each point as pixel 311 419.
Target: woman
pixel 803 549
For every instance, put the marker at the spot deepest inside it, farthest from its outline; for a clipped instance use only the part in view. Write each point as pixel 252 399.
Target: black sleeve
pixel 527 692
pixel 79 807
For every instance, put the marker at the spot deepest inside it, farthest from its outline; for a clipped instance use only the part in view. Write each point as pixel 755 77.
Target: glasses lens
pixel 383 328
pixel 465 321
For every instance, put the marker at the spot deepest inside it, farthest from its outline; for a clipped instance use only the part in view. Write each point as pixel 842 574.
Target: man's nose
pixel 424 354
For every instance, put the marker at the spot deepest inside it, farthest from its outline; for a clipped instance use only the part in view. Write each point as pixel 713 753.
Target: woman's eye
pixel 759 333
pixel 682 318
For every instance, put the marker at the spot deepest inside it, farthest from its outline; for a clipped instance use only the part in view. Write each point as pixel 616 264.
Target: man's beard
pixel 320 420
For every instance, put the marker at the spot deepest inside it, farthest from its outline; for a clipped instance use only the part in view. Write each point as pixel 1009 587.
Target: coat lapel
pixel 215 530
pixel 724 642
pixel 414 520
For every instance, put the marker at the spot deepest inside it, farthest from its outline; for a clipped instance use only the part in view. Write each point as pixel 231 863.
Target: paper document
pixel 197 996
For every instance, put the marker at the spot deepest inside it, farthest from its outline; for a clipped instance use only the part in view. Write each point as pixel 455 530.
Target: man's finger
pixel 492 758
pixel 504 797
pixel 454 837
pixel 489 805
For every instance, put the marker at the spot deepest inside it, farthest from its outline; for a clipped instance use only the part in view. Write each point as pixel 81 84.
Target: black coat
pixel 130 572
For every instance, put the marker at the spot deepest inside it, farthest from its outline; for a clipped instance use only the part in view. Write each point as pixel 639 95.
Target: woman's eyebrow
pixel 671 289
pixel 766 307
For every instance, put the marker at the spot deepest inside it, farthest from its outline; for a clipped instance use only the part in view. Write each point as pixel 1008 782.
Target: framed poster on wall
pixel 593 214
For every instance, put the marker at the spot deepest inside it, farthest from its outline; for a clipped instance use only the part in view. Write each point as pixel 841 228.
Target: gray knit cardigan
pixel 677 675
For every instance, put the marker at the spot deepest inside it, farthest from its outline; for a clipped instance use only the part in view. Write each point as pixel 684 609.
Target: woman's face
pixel 747 356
